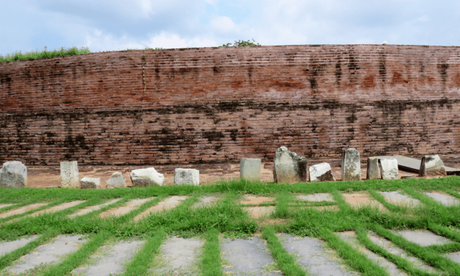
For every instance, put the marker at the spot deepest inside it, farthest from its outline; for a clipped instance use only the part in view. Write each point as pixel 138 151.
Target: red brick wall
pixel 207 105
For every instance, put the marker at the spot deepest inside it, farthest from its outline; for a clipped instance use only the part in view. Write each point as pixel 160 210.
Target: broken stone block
pixel 186 177
pixel 13 174
pixel 146 177
pixel 90 183
pixel 432 165
pixel 69 175
pixel 117 180
pixel 389 168
pixel 351 165
pixel 289 167
pixel 250 168
pixel 321 172
pixel 373 168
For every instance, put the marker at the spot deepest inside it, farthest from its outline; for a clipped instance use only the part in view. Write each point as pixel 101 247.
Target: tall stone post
pixel 69 175
pixel 289 167
pixel 351 165
pixel 250 168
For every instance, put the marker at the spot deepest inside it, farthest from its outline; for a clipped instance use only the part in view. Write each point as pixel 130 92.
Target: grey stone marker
pixel 117 180
pixel 422 238
pixel 13 174
pixel 321 172
pixel 186 177
pixel 432 165
pixel 389 168
pixel 146 177
pixel 69 175
pixel 289 167
pixel 250 168
pixel 90 183
pixel 373 168
pixel 351 165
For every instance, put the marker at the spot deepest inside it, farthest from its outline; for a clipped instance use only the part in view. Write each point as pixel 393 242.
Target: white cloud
pixel 223 25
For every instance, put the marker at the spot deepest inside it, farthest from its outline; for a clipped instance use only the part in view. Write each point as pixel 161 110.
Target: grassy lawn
pixel 227 217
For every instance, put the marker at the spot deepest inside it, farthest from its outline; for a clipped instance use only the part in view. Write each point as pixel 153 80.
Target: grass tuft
pixel 45 54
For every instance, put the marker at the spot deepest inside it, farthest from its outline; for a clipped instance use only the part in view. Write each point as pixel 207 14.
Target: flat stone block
pixel 445 200
pixel 321 172
pixel 69 175
pixel 422 238
pixel 432 165
pixel 316 197
pixel 400 199
pixel 117 180
pixel 289 167
pixel 13 174
pixel 7 247
pixel 186 177
pixel 351 165
pixel 250 168
pixel 90 183
pixel 389 168
pixel 373 168
pixel 146 177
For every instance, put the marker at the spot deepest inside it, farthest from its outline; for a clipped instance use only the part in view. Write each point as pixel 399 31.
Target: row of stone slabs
pixel 241 257
pixel 354 199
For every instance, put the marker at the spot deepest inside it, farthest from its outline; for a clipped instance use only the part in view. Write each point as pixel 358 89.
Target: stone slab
pixel 410 164
pixel 146 177
pixel 399 199
pixel 117 180
pixel 316 197
pixel 373 168
pixel 93 208
pixel 164 205
pixel 205 201
pixel 312 256
pixel 351 165
pixel 260 211
pixel 321 172
pixel 455 256
pixel 113 261
pixel 247 257
pixel 48 253
pixel 186 177
pixel 432 165
pixel 90 182
pixel 69 175
pixel 422 238
pixel 289 167
pixel 249 199
pixel 57 208
pixel 446 200
pixel 7 247
pixel 123 210
pixel 250 168
pixel 362 199
pixel 389 168
pixel 22 210
pixel 13 174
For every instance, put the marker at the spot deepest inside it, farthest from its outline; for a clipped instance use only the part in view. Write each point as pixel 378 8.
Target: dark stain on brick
pixel 369 82
pixel 338 71
pixel 382 67
pixel 442 69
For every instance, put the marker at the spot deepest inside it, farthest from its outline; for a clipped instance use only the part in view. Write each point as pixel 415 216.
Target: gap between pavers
pixel 178 257
pixel 57 208
pixel 93 208
pixel 22 210
pixel 399 199
pixel 205 201
pixel 247 257
pixel 164 205
pixel 360 200
pixel 351 238
pixel 112 260
pixel 446 200
pixel 313 255
pixel 422 237
pixel 48 253
pixel 128 207
pixel 7 247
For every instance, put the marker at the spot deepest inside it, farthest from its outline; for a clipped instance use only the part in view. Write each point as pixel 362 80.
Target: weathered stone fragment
pixel 432 165
pixel 351 165
pixel 389 168
pixel 250 168
pixel 69 175
pixel 90 183
pixel 186 177
pixel 13 174
pixel 321 172
pixel 146 177
pixel 289 167
pixel 373 168
pixel 117 180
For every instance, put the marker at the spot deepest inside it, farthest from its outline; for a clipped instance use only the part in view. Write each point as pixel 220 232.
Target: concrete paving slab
pixel 351 238
pixel 362 199
pixel 113 259
pixel 391 248
pixel 316 197
pixel 7 247
pixel 446 200
pixel 164 205
pixel 249 199
pixel 399 199
pixel 48 253
pixel 22 210
pixel 123 210
pixel 313 256
pixel 260 211
pixel 423 238
pixel 455 256
pixel 57 208
pixel 4 205
pixel 93 208
pixel 205 201
pixel 179 257
pixel 247 257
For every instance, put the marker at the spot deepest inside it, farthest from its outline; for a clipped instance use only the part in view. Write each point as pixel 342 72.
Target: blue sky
pixel 106 25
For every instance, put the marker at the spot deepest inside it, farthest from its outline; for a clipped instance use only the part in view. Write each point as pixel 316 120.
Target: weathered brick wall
pixel 208 105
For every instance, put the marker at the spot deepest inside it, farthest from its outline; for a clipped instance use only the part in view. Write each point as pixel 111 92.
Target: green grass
pixel 140 263
pixel 45 54
pixel 211 263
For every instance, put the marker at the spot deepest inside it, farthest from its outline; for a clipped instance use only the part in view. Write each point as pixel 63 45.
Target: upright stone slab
pixel 373 168
pixel 186 177
pixel 351 165
pixel 432 165
pixel 90 183
pixel 289 167
pixel 250 168
pixel 321 172
pixel 117 180
pixel 69 175
pixel 146 177
pixel 389 168
pixel 13 174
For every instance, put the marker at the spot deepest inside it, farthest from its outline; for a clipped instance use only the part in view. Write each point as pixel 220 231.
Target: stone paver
pixel 48 253
pixel 4 205
pixel 423 238
pixel 444 199
pixel 362 199
pixel 164 205
pixel 455 256
pixel 312 255
pixel 7 247
pixel 247 257
pixel 205 201
pixel 59 207
pixel 260 211
pixel 93 208
pixel 316 197
pixel 249 199
pixel 113 259
pixel 399 199
pixel 22 210
pixel 123 210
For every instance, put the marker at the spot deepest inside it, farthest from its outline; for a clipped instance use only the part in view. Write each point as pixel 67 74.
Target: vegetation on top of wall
pixel 242 43
pixel 45 54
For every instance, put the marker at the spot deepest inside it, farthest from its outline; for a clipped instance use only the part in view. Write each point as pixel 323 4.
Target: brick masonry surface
pixel 216 105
